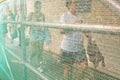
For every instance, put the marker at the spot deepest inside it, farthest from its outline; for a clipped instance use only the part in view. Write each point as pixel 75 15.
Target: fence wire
pixel 53 69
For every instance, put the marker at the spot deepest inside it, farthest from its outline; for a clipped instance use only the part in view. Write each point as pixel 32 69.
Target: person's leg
pixel 67 71
pixel 82 62
pixel 39 51
pixel 10 34
pixel 82 67
pixel 32 51
pixel 2 39
pixel 19 32
pixel 67 58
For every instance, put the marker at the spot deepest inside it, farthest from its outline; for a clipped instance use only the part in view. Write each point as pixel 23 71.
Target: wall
pixel 99 15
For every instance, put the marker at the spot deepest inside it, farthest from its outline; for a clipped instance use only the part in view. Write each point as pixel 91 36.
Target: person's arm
pixel 43 18
pixel 47 37
pixel 63 19
pixel 29 18
pixel 80 20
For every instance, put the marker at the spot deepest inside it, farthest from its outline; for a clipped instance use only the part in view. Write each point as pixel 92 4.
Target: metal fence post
pixel 22 30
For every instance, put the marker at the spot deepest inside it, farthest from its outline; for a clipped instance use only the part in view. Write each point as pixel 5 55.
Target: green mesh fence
pixel 53 69
pixel 14 62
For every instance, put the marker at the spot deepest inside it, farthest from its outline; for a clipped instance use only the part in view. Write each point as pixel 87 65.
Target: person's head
pixel 72 4
pixel 37 5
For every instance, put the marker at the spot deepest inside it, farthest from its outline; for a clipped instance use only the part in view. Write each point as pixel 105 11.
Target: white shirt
pixel 72 41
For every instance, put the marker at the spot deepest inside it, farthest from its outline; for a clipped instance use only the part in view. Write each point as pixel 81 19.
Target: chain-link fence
pixel 101 42
pixel 17 67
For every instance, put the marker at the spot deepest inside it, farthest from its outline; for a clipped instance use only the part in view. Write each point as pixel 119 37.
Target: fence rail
pixel 104 29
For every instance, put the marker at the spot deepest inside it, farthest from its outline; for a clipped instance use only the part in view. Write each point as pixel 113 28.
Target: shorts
pixel 73 56
pixel 36 35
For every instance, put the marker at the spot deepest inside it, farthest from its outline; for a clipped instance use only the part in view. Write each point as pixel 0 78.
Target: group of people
pixel 72 48
pixel 14 29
